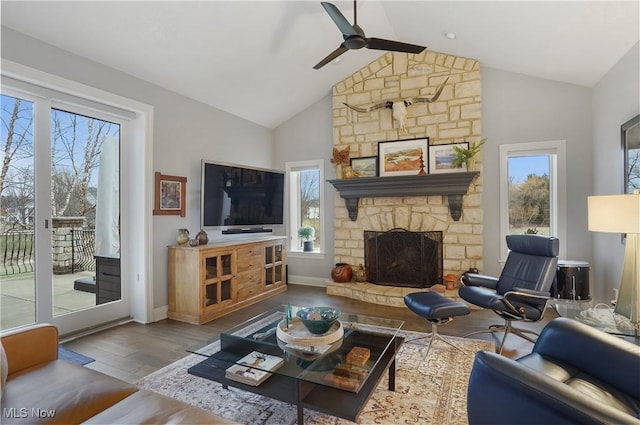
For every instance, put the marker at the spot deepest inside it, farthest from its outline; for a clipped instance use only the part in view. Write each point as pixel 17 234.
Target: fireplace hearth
pixel 399 257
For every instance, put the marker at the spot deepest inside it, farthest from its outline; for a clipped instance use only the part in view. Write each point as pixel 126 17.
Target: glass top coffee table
pixel 317 377
pixel 599 316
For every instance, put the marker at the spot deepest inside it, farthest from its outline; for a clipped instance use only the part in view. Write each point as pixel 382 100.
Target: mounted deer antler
pixel 399 108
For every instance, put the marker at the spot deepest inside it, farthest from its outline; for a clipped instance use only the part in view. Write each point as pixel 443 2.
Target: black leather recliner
pixel 523 289
pixel 575 374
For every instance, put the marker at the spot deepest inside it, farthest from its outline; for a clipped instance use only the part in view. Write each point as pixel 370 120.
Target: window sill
pixel 315 255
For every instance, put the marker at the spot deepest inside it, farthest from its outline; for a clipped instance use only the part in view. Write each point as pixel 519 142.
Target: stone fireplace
pixel 399 257
pixel 455 117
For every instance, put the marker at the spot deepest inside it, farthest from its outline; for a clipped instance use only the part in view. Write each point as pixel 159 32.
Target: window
pixel 532 191
pixel 306 195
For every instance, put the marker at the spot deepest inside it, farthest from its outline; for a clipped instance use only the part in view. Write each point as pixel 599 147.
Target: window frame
pixel 293 203
pixel 556 149
pixel 136 161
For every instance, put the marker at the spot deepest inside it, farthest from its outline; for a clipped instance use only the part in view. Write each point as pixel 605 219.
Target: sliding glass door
pixel 17 214
pixel 60 215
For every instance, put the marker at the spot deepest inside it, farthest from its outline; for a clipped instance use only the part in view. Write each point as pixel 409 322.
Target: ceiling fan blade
pixel 393 46
pixel 338 18
pixel 340 50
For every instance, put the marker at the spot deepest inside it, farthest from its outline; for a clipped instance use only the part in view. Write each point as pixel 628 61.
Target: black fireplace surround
pixel 399 257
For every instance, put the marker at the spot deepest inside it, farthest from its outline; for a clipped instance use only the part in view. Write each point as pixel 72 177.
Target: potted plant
pixel 307 233
pixel 464 155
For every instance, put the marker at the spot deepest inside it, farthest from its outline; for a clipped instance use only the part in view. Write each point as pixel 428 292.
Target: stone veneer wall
pixel 455 117
pixel 65 231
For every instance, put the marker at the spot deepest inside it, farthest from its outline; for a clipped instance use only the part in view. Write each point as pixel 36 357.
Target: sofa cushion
pixel 146 407
pixel 582 383
pixel 66 392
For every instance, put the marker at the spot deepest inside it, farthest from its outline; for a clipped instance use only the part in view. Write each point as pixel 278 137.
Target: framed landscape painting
pixel 441 158
pixel 402 157
pixel 365 166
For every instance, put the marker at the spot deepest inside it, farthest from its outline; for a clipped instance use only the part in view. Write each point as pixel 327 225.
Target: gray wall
pixel 516 109
pixel 184 133
pixel 616 99
pixel 307 136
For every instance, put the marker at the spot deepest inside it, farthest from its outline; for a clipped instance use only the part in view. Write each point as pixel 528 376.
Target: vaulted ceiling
pixel 255 59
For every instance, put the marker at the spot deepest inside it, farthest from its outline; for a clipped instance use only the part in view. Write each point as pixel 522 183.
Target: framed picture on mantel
pixel 441 158
pixel 365 166
pixel 403 157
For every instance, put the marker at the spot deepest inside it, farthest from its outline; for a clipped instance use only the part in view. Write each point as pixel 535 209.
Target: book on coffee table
pixel 245 370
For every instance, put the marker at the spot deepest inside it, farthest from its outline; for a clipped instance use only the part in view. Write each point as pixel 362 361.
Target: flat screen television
pixel 235 196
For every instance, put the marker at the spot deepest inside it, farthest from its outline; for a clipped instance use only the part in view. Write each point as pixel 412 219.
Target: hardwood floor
pixel 132 351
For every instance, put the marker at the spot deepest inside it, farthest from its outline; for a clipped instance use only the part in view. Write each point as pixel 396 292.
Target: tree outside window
pixel 76 145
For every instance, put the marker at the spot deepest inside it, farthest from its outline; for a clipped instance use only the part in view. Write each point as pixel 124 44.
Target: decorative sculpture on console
pixel 399 108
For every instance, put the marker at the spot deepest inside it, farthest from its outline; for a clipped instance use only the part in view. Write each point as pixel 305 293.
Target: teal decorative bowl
pixel 318 320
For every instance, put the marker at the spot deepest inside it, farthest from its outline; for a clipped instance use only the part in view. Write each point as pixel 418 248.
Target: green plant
pixel 306 232
pixel 464 155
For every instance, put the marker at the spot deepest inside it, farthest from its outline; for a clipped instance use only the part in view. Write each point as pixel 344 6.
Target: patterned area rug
pixel 428 391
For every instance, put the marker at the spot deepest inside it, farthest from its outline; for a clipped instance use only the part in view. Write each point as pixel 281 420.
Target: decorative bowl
pixel 318 320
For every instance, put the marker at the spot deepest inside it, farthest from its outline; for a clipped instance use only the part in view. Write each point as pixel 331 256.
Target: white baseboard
pixel 307 280
pixel 160 313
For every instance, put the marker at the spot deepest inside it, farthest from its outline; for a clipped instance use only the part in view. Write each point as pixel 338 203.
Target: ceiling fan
pixel 354 37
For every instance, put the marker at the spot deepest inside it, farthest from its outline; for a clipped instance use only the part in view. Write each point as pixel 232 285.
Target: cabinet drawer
pixel 249 290
pixel 249 278
pixel 249 260
pixel 249 251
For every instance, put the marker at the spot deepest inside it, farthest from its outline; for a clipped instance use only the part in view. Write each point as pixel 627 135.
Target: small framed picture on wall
pixel 170 195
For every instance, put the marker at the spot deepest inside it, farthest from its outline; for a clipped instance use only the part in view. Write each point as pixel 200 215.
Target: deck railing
pixel 17 251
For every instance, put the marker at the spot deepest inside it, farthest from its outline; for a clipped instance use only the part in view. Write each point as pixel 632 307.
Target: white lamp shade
pixel 614 213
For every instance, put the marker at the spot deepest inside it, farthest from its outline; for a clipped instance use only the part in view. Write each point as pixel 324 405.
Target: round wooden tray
pixel 309 353
pixel 298 334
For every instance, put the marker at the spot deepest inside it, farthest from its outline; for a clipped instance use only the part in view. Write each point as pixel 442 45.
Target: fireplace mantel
pixel 453 185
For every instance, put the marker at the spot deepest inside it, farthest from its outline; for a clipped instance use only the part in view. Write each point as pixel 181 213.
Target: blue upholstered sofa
pixel 575 374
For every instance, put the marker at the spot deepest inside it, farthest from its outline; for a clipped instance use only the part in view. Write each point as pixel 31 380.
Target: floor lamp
pixel 621 214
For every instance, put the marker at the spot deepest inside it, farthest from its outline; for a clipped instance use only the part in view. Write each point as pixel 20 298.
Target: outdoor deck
pixel 17 297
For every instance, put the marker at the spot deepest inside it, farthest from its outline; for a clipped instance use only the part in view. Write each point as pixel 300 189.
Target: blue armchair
pixel 523 289
pixel 575 374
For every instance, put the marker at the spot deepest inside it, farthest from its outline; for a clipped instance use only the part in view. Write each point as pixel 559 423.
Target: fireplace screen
pixel 399 257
